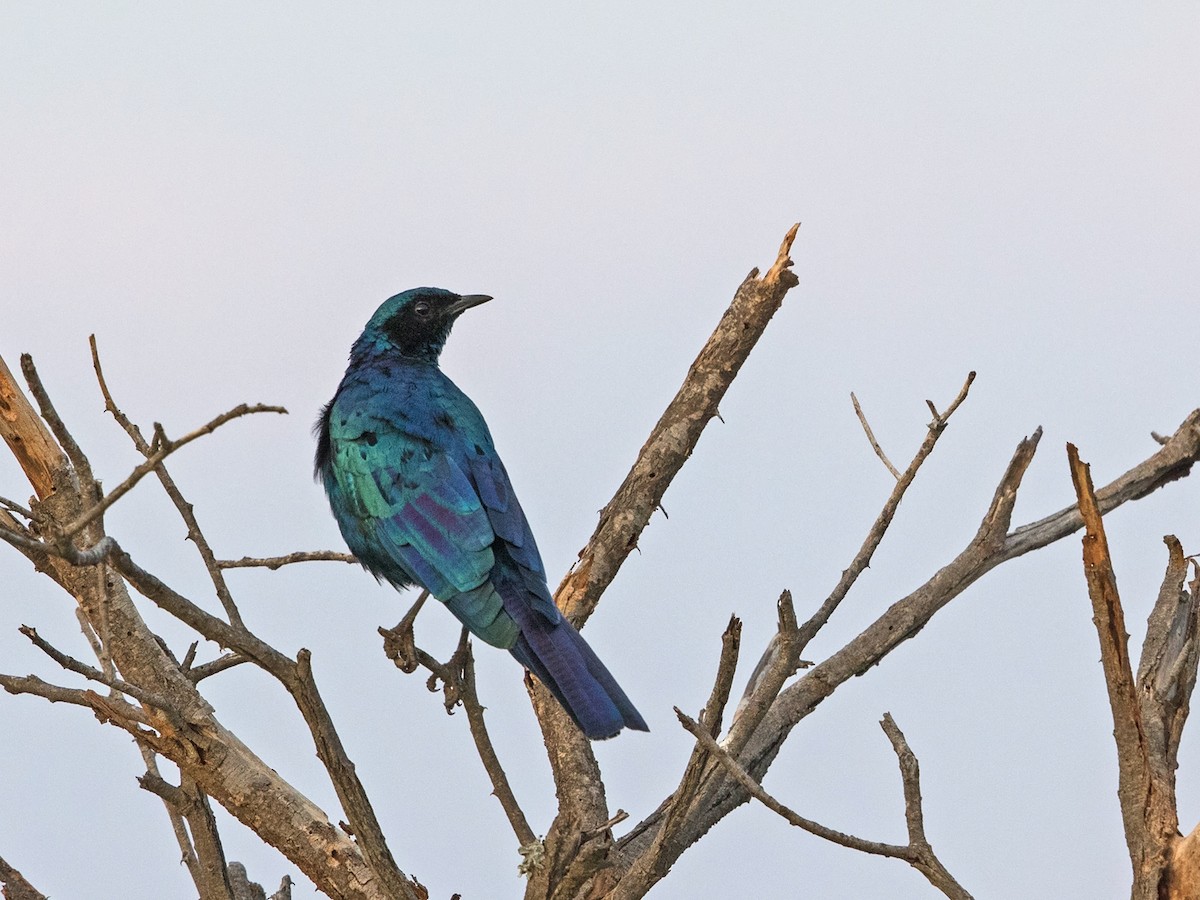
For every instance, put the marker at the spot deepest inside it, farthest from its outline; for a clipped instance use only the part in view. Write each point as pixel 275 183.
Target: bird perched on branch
pixel 421 497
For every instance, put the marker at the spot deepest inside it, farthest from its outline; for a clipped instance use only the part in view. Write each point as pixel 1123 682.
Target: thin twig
pixel 83 468
pixel 684 796
pixel 276 562
pixel 755 790
pixel 774 669
pixel 862 418
pixel 164 449
pixel 457 677
pixel 107 709
pixel 918 854
pixel 923 858
pixel 169 794
pixel 487 751
pixel 182 506
pixel 79 668
pixel 220 664
pixel 17 508
pixel 862 559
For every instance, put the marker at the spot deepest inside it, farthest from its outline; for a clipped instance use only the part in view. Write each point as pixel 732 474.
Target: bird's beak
pixel 466 302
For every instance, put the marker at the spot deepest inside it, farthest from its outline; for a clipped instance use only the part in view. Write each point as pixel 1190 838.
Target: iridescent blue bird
pixel 421 497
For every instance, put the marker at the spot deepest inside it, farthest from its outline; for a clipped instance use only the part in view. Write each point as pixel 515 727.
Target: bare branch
pixel 73 665
pixel 990 547
pixel 164 449
pixel 1172 462
pixel 276 562
pixel 17 508
pixel 487 752
pixel 170 795
pixel 458 686
pixel 672 440
pixel 79 461
pixel 1128 728
pixel 1167 671
pixel 582 802
pixel 923 858
pixel 778 664
pixel 919 855
pixel 862 559
pixel 14 886
pixel 214 667
pixel 655 863
pixel 221 765
pixel 862 418
pixel 185 509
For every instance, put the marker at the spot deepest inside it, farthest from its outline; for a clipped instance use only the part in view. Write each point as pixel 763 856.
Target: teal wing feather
pixel 416 517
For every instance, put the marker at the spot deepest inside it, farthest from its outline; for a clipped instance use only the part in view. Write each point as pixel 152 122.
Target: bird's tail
pixel 562 660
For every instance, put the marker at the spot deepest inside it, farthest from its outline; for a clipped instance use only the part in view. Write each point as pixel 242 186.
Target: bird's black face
pixel 421 319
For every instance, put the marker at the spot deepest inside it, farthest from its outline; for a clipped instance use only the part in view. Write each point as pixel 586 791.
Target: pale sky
pixel 224 194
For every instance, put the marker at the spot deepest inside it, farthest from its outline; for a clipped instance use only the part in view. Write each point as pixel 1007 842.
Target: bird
pixel 422 498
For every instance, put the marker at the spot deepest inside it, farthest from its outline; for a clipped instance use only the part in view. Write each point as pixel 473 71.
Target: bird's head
pixel 417 322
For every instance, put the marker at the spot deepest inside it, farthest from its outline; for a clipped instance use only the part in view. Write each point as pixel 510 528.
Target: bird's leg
pixel 400 643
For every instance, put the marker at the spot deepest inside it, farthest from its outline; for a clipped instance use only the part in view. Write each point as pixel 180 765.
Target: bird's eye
pixel 421 309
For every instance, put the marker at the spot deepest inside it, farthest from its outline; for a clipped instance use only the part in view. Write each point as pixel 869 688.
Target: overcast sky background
pixel 224 193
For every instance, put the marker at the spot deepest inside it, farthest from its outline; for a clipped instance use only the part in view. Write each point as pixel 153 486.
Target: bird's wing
pixel 415 505
pixel 510 526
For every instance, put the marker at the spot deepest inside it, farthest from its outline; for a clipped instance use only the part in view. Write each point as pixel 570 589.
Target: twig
pixel 919 855
pixel 458 686
pixel 871 437
pixel 73 665
pixel 185 509
pixel 164 449
pixel 172 801
pixel 17 508
pixel 107 709
pixel 487 751
pixel 940 418
pixel 923 858
pixel 276 562
pixel 214 667
pixel 83 468
pixel 655 861
pixel 862 559
pixel 774 669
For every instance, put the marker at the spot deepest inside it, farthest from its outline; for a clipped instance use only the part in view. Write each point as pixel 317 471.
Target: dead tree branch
pixel 675 436
pixel 220 765
pixel 13 885
pixel 457 677
pixel 1149 713
pixel 994 543
pixel 917 852
pixel 583 807
pixel 277 562
pixel 862 418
